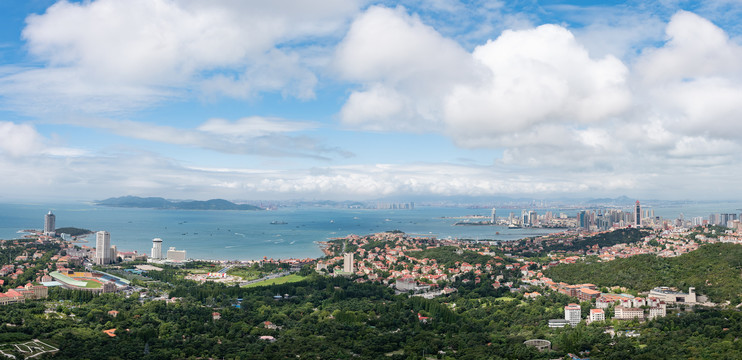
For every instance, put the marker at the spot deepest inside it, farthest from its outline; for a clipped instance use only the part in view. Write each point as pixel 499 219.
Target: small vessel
pixel 276 222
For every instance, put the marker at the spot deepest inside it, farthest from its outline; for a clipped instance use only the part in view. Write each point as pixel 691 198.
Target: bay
pixel 249 235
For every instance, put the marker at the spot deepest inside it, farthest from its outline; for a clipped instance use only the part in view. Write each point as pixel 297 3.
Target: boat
pixel 276 222
pixel 513 226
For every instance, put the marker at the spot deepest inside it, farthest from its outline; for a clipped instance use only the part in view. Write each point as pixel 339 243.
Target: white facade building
pixel 49 224
pixel 348 263
pixel 573 314
pixel 176 255
pixel 103 248
pixel 597 315
pixel 156 248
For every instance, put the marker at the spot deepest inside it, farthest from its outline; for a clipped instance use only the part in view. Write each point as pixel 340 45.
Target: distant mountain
pixel 160 203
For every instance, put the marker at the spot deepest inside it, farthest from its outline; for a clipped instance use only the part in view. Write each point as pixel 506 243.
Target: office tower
pixel 49 224
pixel 638 215
pixel 573 314
pixel 102 248
pixel 494 218
pixel 348 263
pixel 584 219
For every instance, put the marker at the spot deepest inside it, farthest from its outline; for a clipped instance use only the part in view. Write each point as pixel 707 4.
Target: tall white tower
pixel 49 223
pixel 494 217
pixel 102 248
pixel 348 263
pixel 156 248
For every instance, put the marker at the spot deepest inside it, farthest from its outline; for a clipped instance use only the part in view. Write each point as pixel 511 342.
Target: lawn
pixel 281 280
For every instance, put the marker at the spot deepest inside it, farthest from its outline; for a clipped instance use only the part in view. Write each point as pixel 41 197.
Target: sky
pixel 359 100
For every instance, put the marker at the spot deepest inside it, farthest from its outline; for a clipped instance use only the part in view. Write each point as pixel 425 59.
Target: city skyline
pixel 360 100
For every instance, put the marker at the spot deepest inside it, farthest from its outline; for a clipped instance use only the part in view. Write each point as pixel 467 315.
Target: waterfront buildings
pixel 104 254
pixel 176 255
pixel 156 248
pixel 49 224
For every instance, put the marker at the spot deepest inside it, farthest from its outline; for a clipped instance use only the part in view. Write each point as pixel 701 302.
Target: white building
pixel 156 248
pixel 627 313
pixel 597 315
pixel 573 314
pixel 348 263
pixel 49 224
pixel 103 248
pixel 670 296
pixel 659 311
pixel 603 303
pixel 176 255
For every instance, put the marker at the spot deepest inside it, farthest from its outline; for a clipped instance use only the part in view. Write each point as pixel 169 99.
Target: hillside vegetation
pixel 713 269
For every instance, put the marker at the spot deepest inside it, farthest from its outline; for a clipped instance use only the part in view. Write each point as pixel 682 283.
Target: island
pixel 161 203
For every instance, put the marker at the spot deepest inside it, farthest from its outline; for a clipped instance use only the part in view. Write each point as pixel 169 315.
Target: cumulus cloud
pixel 405 67
pixel 147 51
pixel 22 140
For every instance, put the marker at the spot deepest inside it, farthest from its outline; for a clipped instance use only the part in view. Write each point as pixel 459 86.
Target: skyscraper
pixel 156 248
pixel 638 215
pixel 348 263
pixel 102 248
pixel 49 224
pixel 494 218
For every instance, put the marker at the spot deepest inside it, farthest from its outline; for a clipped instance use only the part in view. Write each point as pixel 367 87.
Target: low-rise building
pixel 597 315
pixel 628 313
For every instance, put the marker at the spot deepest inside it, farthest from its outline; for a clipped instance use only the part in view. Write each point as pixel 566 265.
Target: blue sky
pixel 340 99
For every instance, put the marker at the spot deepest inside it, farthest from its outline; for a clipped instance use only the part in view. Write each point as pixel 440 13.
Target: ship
pixel 276 222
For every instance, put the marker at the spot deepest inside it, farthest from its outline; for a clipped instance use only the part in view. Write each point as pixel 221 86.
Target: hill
pixel 160 203
pixel 713 269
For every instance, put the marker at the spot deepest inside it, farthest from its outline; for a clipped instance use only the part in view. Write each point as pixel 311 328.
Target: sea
pixel 290 232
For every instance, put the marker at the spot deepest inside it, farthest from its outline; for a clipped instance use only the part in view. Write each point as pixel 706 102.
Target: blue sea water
pixel 245 235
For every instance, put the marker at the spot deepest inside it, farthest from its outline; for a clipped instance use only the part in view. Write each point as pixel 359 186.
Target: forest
pixel 339 318
pixel 714 270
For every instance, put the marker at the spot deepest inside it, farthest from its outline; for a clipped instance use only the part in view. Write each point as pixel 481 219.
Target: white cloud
pixel 22 140
pixel 19 139
pixel 405 67
pixel 143 51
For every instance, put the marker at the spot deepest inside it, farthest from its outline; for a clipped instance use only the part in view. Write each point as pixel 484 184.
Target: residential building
pixel 597 315
pixel 49 224
pixel 348 262
pixel 573 314
pixel 627 313
pixel 103 251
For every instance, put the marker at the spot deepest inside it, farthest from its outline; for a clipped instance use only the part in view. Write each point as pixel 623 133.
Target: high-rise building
pixel 103 248
pixel 494 218
pixel 348 263
pixel 49 224
pixel 638 215
pixel 573 314
pixel 156 248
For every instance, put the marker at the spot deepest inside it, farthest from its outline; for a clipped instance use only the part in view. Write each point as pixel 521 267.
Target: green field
pixel 90 284
pixel 281 280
